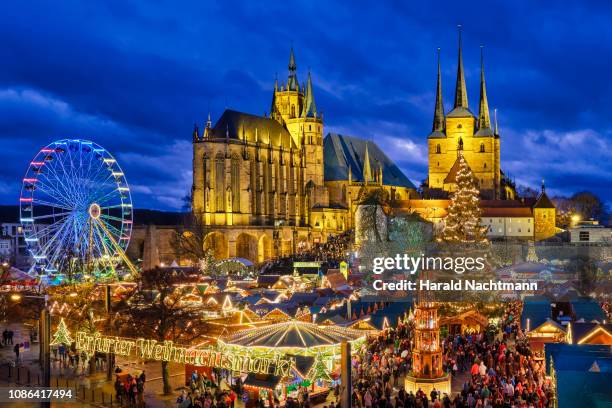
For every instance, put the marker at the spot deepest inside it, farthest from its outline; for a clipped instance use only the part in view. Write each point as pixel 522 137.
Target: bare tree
pixel 189 240
pixel 156 311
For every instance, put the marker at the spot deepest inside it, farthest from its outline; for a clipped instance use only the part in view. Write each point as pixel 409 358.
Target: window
pixel 485 165
pixel 460 144
pixel 293 111
pixel 583 236
pixel 459 126
pixel 528 229
pixel 482 148
pixel 219 183
pixel 309 128
pixel 438 164
pixel 438 149
pixel 519 230
pixel 235 179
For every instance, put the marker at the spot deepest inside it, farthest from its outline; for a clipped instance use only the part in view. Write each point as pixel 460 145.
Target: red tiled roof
pixel 507 212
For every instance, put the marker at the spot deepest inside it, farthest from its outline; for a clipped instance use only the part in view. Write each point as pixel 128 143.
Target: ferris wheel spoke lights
pixel 76 210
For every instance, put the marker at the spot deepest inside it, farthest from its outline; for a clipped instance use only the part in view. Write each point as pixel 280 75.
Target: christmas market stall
pixel 314 351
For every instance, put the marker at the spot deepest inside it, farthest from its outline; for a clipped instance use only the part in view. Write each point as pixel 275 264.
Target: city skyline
pixel 138 78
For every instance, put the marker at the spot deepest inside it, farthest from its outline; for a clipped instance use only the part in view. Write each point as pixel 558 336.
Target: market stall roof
pixel 15 276
pixel 267 381
pixel 293 334
pixel 588 309
pixel 243 261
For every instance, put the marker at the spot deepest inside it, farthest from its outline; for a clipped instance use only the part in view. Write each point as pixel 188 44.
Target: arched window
pixel 482 148
pixel 293 111
pixel 438 149
pixel 460 144
pixel 235 176
pixel 485 165
pixel 309 128
pixel 219 183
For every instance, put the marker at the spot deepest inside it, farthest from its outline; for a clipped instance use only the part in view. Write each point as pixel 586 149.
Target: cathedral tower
pixel 460 131
pixel 296 110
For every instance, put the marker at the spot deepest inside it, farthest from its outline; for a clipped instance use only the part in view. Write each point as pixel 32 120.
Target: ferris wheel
pixel 75 211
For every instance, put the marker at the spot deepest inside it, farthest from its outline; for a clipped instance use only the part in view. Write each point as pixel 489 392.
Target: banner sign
pixel 306 264
pixel 168 351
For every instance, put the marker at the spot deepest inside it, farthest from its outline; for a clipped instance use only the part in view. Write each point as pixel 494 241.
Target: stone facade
pixel 460 132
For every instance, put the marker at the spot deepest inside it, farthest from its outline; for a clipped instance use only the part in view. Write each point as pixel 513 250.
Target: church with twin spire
pixel 460 132
pixel 274 185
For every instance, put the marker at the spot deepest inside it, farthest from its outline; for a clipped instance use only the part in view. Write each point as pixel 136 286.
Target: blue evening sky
pixel 134 76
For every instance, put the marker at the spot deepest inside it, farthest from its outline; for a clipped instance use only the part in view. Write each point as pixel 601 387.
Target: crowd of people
pixel 67 357
pixel 329 253
pixel 129 389
pixel 497 371
pixel 204 392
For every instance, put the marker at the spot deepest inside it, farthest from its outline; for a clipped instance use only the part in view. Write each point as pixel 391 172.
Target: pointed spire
pixel 461 100
pixel 310 108
pixel 484 120
pixel 496 129
pixel 292 81
pixel 438 121
pixel 196 136
pixel 350 174
pixel 208 122
pixel 367 170
pixel 543 187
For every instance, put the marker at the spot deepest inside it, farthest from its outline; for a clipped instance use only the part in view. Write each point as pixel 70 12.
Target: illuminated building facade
pixel 261 182
pixel 461 132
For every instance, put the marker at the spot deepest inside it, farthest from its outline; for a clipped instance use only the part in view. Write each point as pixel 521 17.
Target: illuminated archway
pixel 217 243
pixel 264 249
pixel 247 247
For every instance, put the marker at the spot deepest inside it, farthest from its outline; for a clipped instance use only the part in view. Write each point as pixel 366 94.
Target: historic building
pixel 271 185
pixel 460 132
pixel 263 185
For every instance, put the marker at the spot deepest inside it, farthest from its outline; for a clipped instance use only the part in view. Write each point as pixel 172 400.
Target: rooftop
pixel 341 152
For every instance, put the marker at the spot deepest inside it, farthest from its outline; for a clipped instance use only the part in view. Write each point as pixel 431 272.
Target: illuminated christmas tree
pixel 462 224
pixel 61 335
pixel 319 370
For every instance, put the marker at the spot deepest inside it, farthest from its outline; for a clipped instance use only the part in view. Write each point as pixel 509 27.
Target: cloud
pixel 135 77
pixel 568 161
pixel 169 176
